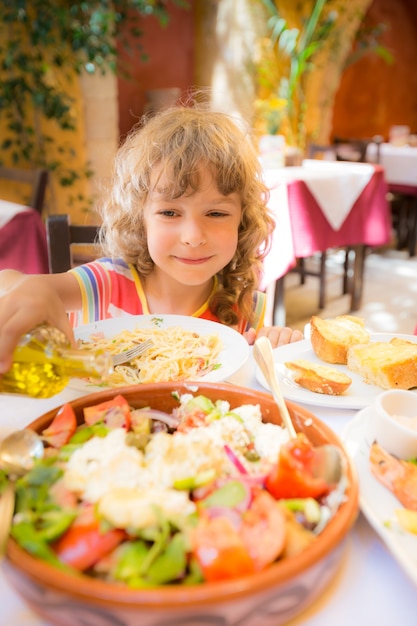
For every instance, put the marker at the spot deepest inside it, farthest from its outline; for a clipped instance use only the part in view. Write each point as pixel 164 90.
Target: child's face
pixel 193 237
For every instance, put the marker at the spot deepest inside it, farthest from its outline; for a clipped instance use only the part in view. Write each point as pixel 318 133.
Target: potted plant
pixel 289 54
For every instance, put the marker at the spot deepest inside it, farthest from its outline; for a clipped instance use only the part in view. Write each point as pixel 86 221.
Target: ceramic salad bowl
pixel 268 597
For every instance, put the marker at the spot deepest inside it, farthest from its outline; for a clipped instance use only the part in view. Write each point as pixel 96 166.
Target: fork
pixel 128 355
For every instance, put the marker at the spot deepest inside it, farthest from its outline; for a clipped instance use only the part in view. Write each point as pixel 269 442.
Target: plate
pixel 358 396
pixel 235 347
pixel 376 502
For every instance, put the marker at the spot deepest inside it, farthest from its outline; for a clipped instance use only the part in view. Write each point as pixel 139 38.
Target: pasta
pixel 176 354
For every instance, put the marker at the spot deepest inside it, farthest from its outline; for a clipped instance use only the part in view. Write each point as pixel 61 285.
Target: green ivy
pixel 43 40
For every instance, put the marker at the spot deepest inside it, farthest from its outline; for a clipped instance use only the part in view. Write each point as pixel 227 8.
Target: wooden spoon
pixel 329 462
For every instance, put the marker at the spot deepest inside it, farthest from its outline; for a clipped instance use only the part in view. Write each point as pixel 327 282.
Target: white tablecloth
pixel 370 587
pixel 399 162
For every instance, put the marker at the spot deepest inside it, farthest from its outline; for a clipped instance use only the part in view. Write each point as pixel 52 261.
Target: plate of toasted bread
pixel 344 365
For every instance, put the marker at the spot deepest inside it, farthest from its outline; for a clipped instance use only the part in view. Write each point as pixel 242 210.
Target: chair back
pixel 61 236
pixel 318 151
pixel 36 180
pixel 355 149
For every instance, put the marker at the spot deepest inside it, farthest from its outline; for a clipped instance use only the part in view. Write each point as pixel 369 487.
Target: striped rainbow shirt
pixel 112 288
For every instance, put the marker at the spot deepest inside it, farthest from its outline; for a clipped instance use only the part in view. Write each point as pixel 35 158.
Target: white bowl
pixel 392 422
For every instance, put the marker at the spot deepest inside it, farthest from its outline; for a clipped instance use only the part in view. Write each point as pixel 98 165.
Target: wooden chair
pixel 403 201
pixel 325 152
pixel 351 150
pixel 354 150
pixel 61 236
pixel 36 180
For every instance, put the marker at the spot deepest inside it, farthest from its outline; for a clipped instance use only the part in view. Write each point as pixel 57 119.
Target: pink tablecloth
pixel 302 228
pixel 23 243
pixel 368 222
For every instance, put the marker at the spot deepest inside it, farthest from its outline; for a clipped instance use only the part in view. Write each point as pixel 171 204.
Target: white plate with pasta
pixel 184 348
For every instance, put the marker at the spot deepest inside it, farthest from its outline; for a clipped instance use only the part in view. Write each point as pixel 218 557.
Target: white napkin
pixel 336 186
pixel 8 210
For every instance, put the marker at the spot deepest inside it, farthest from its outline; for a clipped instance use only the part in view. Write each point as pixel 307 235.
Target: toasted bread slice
pixel 319 378
pixel 331 338
pixel 388 365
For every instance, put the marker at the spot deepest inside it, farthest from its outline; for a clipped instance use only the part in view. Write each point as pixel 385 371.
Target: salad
pixel 144 498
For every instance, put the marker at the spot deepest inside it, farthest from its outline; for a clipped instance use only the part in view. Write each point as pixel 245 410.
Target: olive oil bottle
pixel 44 361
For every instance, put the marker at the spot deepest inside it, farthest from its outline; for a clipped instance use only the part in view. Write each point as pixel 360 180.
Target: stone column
pixel 101 124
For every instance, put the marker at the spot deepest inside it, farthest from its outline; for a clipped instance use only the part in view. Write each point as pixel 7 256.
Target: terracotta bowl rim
pixel 97 591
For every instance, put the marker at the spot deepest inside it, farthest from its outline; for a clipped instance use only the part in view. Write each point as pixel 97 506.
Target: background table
pixel 399 163
pixel 301 201
pixel 400 167
pixel 370 587
pixel 22 239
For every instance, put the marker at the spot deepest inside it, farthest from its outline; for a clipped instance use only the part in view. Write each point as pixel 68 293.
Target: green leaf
pixel 130 559
pixel 27 537
pixel 170 564
pixel 192 482
pixel 41 37
pixel 229 495
pixel 52 524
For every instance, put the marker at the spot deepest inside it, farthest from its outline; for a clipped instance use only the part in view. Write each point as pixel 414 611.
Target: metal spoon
pixel 17 454
pixel 329 462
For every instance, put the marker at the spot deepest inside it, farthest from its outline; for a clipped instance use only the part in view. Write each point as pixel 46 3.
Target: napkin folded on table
pixel 336 186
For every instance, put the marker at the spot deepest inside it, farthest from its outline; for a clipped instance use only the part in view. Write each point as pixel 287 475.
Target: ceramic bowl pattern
pixel 268 598
pixel 387 422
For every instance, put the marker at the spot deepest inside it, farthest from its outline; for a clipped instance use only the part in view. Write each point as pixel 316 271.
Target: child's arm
pixel 26 301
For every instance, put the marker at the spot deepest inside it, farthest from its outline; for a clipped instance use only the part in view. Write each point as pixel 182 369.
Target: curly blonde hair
pixel 183 139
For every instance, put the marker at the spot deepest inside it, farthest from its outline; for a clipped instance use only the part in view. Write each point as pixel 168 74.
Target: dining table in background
pixel 399 163
pixel 23 244
pixel 370 586
pixel 322 205
pixel 400 167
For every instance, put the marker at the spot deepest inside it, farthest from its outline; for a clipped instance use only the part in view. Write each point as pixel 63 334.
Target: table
pixel 323 205
pixel 399 162
pixel 23 244
pixel 400 166
pixel 369 588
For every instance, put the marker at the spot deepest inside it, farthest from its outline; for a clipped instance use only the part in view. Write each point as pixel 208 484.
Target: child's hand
pixel 30 302
pixel 277 335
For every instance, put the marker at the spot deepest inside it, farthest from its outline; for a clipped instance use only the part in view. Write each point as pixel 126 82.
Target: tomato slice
pixel 83 544
pixel 194 419
pixel 220 550
pixel 115 413
pixel 292 476
pixel 263 530
pixel 62 427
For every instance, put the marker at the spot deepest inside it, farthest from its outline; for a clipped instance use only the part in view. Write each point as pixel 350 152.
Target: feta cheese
pixel 127 484
pixel 102 463
pixel 133 508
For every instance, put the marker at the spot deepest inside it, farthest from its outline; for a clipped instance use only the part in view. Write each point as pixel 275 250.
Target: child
pixel 184 231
